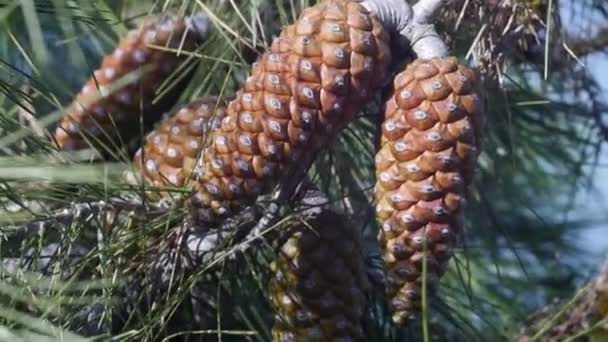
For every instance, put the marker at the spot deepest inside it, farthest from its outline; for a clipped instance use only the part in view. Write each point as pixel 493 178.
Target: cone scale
pixel 169 154
pixel 430 139
pixel 319 281
pixel 103 111
pixel 316 77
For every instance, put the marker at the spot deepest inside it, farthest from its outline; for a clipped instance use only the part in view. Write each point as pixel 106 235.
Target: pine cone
pixel 100 113
pixel 315 78
pixel 170 152
pixel 430 139
pixel 318 284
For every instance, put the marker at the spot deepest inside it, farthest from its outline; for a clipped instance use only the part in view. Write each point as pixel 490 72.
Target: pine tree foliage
pixel 85 253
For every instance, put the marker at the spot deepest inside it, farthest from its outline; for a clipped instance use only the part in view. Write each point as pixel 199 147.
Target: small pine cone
pixel 169 154
pixel 319 283
pixel 100 113
pixel 316 77
pixel 430 139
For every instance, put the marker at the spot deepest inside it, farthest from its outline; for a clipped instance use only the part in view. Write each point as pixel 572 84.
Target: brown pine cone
pixel 318 284
pixel 315 78
pixel 101 112
pixel 169 154
pixel 430 140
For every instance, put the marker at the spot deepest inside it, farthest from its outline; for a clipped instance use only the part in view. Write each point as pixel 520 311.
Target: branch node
pixel 414 23
pixel 425 10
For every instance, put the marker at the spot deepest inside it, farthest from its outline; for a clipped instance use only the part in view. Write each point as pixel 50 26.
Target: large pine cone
pixel 100 113
pixel 430 140
pixel 169 154
pixel 318 284
pixel 315 78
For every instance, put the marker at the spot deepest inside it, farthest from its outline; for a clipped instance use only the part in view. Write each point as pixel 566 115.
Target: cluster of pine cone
pixel 313 80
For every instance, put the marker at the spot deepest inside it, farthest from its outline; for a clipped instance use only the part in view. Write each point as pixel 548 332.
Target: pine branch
pixel 253 224
pixel 415 24
pixel 83 212
pixel 585 46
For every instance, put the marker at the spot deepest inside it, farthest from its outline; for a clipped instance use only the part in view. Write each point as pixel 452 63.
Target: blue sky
pixel 593 203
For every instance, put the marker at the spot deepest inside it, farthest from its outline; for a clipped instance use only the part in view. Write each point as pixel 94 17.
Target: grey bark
pixel 413 23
